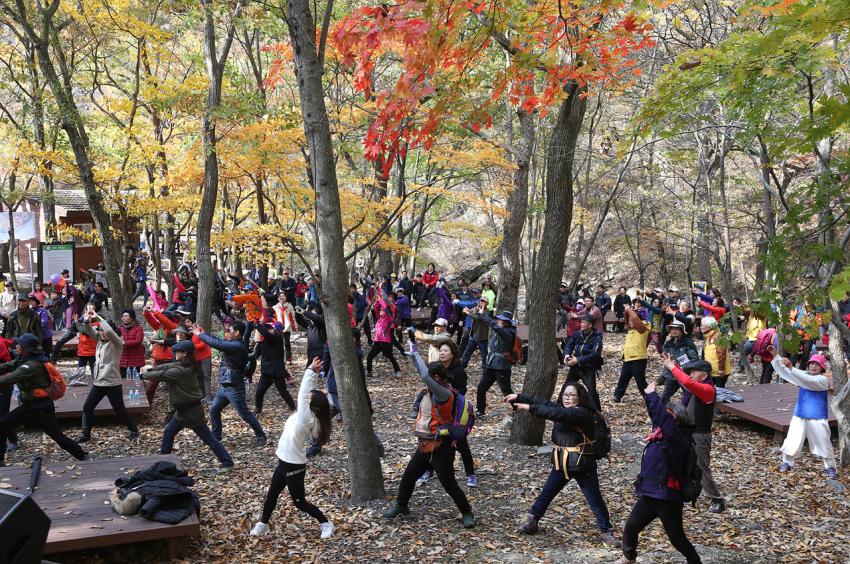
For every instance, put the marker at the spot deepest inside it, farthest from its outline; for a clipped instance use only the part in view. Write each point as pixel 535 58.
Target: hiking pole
pixel 36 473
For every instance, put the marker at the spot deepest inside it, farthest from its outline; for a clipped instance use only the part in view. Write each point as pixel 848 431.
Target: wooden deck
pixel 75 496
pixel 71 406
pixel 769 405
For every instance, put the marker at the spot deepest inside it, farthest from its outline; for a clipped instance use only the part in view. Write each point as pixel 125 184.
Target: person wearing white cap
pixel 436 339
pixel 811 413
pixel 715 353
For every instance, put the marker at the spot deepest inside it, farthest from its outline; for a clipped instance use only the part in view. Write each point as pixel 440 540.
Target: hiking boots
pixel 717 506
pixel 395 510
pixel 608 539
pixel 468 520
pixel 530 526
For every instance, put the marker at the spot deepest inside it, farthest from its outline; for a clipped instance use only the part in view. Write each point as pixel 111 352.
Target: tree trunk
pixel 364 466
pixel 838 336
pixel 71 121
pixel 46 166
pixel 542 370
pixel 509 267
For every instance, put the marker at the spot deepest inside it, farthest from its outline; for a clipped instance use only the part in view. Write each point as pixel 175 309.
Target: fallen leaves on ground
pixel 792 517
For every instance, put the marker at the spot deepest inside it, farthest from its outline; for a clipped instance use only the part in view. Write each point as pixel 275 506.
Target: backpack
pixel 463 419
pixel 57 382
pixel 691 482
pixel 515 355
pixel 601 436
pixel 764 339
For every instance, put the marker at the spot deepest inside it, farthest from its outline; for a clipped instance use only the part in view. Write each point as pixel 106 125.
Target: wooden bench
pixel 71 405
pixel 609 321
pixel 769 405
pixel 522 333
pixel 75 494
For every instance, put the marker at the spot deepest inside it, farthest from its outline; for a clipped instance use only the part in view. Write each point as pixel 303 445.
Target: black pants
pixel 379 347
pixel 47 345
pixel 631 369
pixel 86 361
pixel 802 359
pixel 442 460
pixel 645 512
pixel 586 376
pixel 766 372
pixel 266 381
pixel 38 413
pixel 6 391
pixel 115 395
pixel 588 483
pixel 367 329
pixel 503 377
pixel 290 476
pixel 287 346
pixel 57 348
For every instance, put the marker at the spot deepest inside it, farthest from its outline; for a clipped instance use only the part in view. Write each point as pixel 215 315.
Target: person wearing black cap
pixel 583 355
pixel 680 347
pixel 184 397
pixel 36 409
pixel 695 378
pixel 23 320
pixel 497 368
pixel 272 370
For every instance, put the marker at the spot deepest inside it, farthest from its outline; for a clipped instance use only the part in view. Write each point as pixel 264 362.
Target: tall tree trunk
pixel 542 370
pixel 509 267
pixel 839 336
pixel 215 72
pixel 364 466
pixel 48 52
pixel 46 166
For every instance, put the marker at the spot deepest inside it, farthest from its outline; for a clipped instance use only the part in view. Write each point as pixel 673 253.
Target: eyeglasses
pixel 570 395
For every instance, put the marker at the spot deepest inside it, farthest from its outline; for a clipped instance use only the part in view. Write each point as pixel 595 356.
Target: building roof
pixel 74 200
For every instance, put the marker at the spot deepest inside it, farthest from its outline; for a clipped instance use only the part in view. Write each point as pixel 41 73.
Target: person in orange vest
pixel 161 353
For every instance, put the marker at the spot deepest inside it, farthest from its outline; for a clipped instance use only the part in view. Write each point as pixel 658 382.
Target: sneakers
pixel 327 530
pixel 530 526
pixel 615 399
pixel 624 560
pixel 226 469
pixel 83 438
pixel 134 436
pixel 784 467
pixel 472 481
pixel 608 539
pixel 468 520
pixel 479 415
pixel 831 473
pixel 424 477
pixel 261 529
pixel 261 441
pixel 395 510
pixel 414 413
pixel 257 412
pixel 717 506
pixel 398 374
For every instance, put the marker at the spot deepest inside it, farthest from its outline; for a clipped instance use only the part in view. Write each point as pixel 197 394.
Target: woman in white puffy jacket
pixel 312 420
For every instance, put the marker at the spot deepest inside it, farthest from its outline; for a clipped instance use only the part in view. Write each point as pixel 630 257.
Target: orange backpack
pixel 57 382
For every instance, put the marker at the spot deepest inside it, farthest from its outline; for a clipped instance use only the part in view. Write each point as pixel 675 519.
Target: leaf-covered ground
pixel 793 517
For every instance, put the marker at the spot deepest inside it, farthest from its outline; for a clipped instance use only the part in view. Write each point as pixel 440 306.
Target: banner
pixel 24 226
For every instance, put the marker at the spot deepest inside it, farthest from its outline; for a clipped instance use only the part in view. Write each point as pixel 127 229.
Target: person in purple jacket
pixel 658 485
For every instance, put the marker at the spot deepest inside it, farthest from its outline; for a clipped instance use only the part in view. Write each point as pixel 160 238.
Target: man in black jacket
pixel 683 350
pixel 23 320
pixel 36 409
pixel 583 354
pixel 602 301
pixel 272 370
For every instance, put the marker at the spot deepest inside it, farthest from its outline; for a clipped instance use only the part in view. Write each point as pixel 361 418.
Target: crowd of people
pixel 259 320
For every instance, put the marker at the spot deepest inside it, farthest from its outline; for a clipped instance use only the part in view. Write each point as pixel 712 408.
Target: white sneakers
pixel 260 529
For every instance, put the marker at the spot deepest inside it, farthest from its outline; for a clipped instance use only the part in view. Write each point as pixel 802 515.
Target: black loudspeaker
pixel 23 529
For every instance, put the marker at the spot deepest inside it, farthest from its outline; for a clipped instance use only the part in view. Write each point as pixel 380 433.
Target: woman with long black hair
pixel 312 420
pixel 573 457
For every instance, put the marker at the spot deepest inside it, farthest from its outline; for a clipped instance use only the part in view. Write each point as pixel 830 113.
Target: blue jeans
pixel 588 482
pixel 471 345
pixel 236 397
pixel 174 426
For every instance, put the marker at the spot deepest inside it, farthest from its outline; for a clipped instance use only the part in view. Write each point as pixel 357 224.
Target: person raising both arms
pixel 312 420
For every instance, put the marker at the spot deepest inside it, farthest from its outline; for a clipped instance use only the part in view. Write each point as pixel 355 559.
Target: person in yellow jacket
pixel 634 354
pixel 755 323
pixel 717 355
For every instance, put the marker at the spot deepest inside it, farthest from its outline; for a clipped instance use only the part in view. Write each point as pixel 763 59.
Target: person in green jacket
pixel 36 409
pixel 184 398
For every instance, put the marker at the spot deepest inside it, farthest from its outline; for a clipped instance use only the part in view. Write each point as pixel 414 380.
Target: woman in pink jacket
pixel 385 312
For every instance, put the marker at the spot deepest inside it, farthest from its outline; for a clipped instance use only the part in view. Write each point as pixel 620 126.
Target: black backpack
pixel 691 482
pixel 601 436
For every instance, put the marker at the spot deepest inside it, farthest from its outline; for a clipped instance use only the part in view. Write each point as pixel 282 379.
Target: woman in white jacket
pixel 312 420
pixel 285 314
